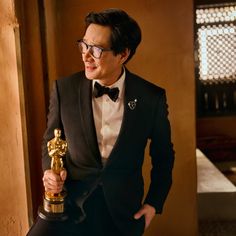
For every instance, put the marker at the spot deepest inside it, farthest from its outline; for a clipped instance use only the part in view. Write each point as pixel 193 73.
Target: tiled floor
pixel 216 199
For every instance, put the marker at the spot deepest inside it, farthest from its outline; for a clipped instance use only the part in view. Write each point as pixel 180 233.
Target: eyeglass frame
pixel 89 47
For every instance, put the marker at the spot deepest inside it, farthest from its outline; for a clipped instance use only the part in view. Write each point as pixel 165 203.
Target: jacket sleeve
pixel 162 155
pixel 53 122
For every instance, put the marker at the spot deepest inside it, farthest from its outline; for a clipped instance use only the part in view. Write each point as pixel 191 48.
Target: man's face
pixel 108 67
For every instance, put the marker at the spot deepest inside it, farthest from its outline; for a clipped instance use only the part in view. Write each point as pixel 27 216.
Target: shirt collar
pixel 119 83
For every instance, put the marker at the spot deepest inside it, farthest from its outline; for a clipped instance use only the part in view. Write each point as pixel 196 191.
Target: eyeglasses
pixel 95 51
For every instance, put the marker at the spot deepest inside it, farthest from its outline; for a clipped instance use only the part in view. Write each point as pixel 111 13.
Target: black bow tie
pixel 100 90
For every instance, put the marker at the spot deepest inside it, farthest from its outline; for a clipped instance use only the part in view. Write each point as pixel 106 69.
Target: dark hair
pixel 125 31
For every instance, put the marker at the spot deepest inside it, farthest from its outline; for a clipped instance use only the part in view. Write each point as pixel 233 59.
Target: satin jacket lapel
pixel 87 120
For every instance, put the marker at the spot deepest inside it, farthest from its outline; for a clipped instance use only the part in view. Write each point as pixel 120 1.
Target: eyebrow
pixel 97 45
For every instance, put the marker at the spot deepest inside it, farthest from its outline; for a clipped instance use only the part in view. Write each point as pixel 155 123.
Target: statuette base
pixel 51 216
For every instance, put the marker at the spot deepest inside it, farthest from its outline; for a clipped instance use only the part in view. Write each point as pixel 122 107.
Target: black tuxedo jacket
pixel 121 178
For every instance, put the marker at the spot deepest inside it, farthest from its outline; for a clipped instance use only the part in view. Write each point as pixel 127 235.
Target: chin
pixel 90 76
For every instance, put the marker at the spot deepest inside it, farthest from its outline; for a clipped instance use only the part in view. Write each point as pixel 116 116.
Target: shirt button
pixel 106 128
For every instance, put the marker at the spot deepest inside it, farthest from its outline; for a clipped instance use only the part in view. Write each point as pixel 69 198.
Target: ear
pixel 124 56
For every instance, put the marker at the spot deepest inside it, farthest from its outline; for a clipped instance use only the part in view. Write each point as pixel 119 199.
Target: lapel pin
pixel 132 104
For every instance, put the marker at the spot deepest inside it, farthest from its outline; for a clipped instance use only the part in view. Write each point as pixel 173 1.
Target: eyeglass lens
pixel 95 51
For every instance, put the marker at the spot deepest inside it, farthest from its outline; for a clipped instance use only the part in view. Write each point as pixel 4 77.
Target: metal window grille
pixel 215 57
pixel 216 40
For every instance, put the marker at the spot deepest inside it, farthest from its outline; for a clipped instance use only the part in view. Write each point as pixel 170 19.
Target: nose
pixel 87 55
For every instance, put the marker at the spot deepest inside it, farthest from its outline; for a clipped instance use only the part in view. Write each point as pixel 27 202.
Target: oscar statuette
pixel 53 204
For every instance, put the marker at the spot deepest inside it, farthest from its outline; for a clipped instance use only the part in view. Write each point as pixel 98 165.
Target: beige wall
pixel 13 197
pixel 34 74
pixel 164 57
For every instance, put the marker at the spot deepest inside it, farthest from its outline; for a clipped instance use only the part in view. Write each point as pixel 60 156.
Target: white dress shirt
pixel 108 116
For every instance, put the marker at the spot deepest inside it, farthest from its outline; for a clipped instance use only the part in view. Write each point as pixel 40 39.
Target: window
pixel 215 52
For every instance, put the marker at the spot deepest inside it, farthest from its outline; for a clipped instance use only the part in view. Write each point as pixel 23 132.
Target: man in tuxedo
pixel 107 114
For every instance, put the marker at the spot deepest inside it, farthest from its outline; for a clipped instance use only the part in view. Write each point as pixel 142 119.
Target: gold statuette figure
pixel 53 204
